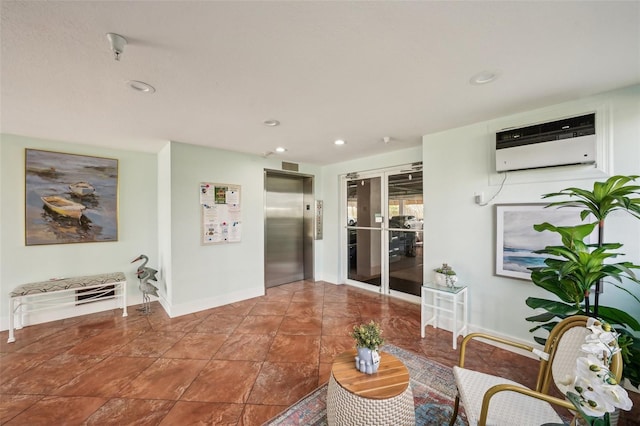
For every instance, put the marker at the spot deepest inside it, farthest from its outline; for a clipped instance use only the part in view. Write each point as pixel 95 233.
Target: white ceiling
pixel 353 70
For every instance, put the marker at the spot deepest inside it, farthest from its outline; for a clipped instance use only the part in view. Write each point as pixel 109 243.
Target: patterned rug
pixel 433 388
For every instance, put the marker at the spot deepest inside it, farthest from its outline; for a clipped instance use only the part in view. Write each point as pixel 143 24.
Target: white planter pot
pixel 367 360
pixel 445 280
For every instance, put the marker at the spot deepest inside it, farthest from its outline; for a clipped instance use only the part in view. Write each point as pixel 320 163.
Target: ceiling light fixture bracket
pixel 117 43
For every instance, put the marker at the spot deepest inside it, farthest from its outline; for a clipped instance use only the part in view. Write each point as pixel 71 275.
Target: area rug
pixel 433 386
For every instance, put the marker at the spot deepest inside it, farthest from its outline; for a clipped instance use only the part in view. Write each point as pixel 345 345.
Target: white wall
pixel 458 163
pixel 159 215
pixel 163 252
pixel 137 221
pixel 204 276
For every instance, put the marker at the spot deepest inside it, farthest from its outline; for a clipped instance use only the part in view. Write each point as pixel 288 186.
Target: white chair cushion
pixel 505 408
pixel 567 353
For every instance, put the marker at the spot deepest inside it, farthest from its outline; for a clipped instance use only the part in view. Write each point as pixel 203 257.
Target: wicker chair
pixel 494 400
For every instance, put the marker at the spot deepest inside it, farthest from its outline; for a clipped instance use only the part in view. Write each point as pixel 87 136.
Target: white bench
pixel 52 294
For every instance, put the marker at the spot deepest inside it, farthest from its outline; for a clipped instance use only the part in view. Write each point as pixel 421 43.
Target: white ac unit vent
pixel 557 143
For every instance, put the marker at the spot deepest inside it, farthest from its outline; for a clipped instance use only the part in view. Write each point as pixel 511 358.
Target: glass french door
pixel 384 235
pixel 364 230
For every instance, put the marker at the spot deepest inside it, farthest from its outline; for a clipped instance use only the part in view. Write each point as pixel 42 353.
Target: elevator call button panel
pixel 318 233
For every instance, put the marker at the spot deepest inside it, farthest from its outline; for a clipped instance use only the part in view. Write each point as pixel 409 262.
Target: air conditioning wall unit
pixel 562 142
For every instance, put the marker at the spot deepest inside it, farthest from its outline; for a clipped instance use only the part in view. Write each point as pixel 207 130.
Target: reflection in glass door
pixel 406 216
pixel 385 249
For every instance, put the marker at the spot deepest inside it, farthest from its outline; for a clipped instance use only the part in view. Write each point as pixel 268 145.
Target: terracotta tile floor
pixel 239 364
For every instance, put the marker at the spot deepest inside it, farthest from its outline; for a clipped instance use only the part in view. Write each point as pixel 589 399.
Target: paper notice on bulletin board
pixel 221 213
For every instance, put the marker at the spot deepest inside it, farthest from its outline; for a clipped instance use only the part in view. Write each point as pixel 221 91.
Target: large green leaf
pixel 623 268
pixel 543 317
pixel 569 234
pixel 618 316
pixel 566 290
pixel 613 194
pixel 551 306
pixel 630 346
pixel 626 291
pixel 555 308
pixel 559 251
pixel 546 326
pixel 540 340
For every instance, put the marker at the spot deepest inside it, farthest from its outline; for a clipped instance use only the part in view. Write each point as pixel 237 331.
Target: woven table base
pixel 345 408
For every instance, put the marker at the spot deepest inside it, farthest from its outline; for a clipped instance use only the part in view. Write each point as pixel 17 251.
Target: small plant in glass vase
pixel 446 276
pixel 368 339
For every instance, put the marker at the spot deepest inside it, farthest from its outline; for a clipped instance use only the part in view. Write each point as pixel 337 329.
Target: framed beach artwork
pixel 516 240
pixel 70 198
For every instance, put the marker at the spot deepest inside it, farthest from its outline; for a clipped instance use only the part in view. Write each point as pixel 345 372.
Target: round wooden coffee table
pixel 382 398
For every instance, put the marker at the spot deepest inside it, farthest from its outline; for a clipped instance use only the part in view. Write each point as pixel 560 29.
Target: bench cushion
pixel 67 283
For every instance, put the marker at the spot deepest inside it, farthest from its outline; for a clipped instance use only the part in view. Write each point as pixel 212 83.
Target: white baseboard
pixel 136 299
pixel 374 289
pixel 212 302
pixel 477 329
pixel 447 324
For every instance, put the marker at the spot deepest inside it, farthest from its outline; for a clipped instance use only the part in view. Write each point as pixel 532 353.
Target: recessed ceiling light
pixel 280 149
pixel 483 77
pixel 339 142
pixel 141 86
pixel 271 123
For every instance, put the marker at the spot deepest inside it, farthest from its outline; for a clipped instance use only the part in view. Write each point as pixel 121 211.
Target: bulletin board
pixel 221 213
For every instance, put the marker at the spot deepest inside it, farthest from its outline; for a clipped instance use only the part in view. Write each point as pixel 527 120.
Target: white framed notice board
pixel 221 213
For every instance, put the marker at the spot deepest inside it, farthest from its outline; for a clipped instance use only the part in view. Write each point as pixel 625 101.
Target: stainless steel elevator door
pixel 284 230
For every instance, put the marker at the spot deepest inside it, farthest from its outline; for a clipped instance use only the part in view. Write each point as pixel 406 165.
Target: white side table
pixel 438 299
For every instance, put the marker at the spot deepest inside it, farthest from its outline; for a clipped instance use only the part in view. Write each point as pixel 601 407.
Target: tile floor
pixel 239 364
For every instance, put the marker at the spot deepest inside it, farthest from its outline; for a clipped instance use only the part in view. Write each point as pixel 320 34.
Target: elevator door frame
pixel 308 221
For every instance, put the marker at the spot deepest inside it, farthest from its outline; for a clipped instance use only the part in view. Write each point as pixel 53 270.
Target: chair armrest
pixel 471 336
pixel 525 391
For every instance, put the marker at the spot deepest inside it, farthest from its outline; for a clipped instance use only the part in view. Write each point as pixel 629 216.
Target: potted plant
pixel 575 267
pixel 445 275
pixel 368 339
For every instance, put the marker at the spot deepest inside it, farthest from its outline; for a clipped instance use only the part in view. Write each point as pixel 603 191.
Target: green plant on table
pixel 445 269
pixel 368 335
